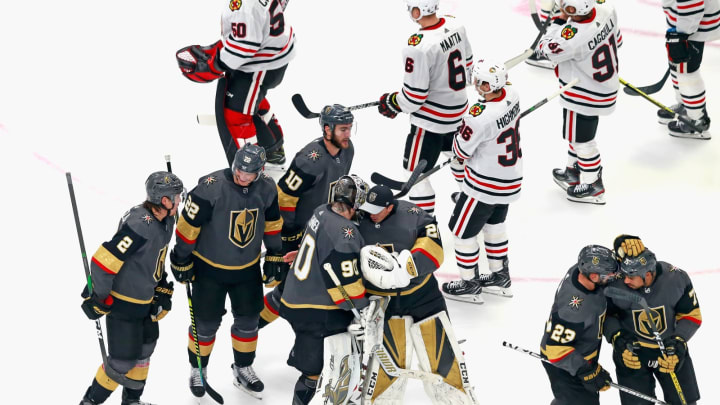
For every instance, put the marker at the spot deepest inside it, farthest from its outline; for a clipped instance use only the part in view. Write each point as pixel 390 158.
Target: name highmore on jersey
pixel 600 37
pixel 450 41
pixel 508 117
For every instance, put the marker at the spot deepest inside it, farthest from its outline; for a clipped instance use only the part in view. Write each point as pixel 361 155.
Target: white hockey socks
pixel 496 245
pixel 588 161
pixel 423 195
pixel 467 254
pixel 690 91
pixel 572 156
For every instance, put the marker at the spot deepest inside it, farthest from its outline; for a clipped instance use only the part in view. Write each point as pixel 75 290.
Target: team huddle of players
pixel 336 248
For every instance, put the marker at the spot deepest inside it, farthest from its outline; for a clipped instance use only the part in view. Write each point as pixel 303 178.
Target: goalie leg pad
pixel 387 390
pixel 439 353
pixel 341 370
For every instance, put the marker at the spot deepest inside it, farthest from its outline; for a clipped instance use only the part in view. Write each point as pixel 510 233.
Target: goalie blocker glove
pixel 201 64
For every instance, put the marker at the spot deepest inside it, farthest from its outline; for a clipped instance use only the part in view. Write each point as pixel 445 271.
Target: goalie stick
pixel 612 384
pixel 378 178
pixel 114 375
pixel 650 89
pixel 213 394
pixel 614 292
pixel 681 117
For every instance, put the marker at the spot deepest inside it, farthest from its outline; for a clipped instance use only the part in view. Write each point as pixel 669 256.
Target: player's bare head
pixel 489 76
pixel 421 8
pixel 164 190
pixel 248 164
pixel 337 125
pixel 598 264
pixel 577 9
pixel 639 270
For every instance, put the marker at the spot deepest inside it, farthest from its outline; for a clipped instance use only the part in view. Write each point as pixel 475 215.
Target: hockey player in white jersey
pixel 690 25
pixel 437 62
pixel 256 46
pixel 489 144
pixel 583 42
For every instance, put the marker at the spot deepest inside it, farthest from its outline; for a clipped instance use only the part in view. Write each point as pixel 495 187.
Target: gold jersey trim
pixel 286 200
pixel 222 266
pixel 431 247
pixel 108 260
pixel 273 226
pixel 406 292
pixel 309 306
pixel 354 290
pixel 129 299
pixel 188 231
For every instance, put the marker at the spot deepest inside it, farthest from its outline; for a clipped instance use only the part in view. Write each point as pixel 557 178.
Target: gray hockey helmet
pixel 332 115
pixel 597 259
pixel 350 190
pixel 639 265
pixel 163 184
pixel 250 159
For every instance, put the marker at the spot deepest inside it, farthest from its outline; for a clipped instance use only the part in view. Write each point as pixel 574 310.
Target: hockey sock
pixel 467 254
pixel 458 171
pixel 423 195
pixel 101 388
pixel 304 389
pixel 692 92
pixel 241 127
pixel 588 161
pixel 496 245
pixel 206 344
pixel 572 156
pixel 269 131
pixel 270 311
pixel 244 332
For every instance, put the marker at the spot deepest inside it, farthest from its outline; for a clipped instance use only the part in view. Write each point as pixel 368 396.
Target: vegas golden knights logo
pixel 242 226
pixel 338 393
pixel 642 323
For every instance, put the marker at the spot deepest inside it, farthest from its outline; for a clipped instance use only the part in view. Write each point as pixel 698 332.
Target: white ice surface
pixel 93 88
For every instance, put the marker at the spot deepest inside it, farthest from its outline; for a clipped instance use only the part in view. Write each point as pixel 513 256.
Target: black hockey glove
pixel 626 345
pixel 93 306
pixel 594 378
pixel 677 45
pixel 274 269
pixel 389 106
pixel 291 236
pixel 162 301
pixel 676 349
pixel 182 269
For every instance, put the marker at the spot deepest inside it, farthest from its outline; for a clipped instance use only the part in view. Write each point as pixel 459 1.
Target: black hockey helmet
pixel 335 114
pixel 250 159
pixel 639 265
pixel 163 184
pixel 350 190
pixel 598 259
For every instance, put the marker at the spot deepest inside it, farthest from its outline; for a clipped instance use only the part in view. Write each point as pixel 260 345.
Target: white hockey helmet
pixel 582 7
pixel 494 73
pixel 426 7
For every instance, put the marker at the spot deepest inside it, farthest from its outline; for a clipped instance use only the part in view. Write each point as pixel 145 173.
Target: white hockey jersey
pixel 588 51
pixel 437 63
pixel 699 18
pixel 256 36
pixel 489 142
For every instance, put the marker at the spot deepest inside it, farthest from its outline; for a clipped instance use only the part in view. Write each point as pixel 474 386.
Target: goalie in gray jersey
pixel 129 285
pixel 403 250
pixel 574 330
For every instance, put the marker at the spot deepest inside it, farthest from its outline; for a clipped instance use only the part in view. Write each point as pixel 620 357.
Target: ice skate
pixel 569 176
pixel 497 282
pixel 248 381
pixel 588 193
pixel 540 61
pixel 664 117
pixel 196 386
pixel 463 290
pixel 680 129
pixel 128 400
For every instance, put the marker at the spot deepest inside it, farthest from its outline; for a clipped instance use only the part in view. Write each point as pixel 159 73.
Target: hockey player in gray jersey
pixel 409 239
pixel 675 311
pixel 573 332
pixel 311 301
pixel 307 184
pixel 130 286
pixel 227 218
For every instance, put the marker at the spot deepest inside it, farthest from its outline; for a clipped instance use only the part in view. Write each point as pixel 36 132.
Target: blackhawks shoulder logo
pixel 235 5
pixel 476 109
pixel 415 39
pixel 568 32
pixel 600 1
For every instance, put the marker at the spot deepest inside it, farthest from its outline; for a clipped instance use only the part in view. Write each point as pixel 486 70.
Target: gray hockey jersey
pixel 224 225
pixel 129 266
pixel 673 306
pixel 309 179
pixel 573 332
pixel 407 227
pixel 331 243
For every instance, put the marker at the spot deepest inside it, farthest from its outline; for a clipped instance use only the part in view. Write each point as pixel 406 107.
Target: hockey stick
pixel 544 101
pixel 650 89
pixel 614 292
pixel 681 117
pixel 528 52
pixel 612 384
pixel 213 394
pixel 416 176
pixel 302 108
pixel 534 14
pixel 114 375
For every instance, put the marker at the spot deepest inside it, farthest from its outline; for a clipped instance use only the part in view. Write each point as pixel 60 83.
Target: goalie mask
pixel 426 7
pixel 349 190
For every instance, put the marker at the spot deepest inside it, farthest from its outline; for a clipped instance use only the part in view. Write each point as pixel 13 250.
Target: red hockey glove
pixel 388 105
pixel 200 64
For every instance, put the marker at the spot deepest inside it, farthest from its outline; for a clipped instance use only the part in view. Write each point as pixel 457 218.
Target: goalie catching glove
pixel 201 64
pixel 383 270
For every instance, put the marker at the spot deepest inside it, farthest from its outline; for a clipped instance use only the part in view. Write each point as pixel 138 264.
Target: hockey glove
pixel 678 48
pixel 201 64
pixel 291 235
pixel 358 326
pixel 388 105
pixel 625 344
pixel 162 301
pixel 182 269
pixel 594 378
pixel 676 349
pixel 95 307
pixel 628 245
pixel 274 269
